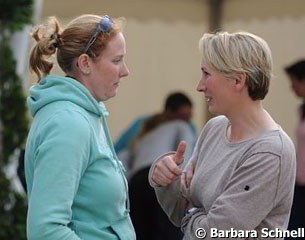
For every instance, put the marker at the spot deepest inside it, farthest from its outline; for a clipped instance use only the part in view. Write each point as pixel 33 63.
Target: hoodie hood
pixel 56 88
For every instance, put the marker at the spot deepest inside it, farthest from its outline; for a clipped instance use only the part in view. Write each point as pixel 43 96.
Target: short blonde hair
pixel 68 43
pixel 231 53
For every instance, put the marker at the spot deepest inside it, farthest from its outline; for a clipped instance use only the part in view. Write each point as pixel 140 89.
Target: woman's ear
pixel 83 64
pixel 240 80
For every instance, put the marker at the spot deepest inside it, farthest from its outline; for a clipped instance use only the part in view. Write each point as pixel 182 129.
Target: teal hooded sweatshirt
pixel 76 185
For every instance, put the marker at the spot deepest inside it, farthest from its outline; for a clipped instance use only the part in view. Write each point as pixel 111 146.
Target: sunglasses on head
pixel 104 26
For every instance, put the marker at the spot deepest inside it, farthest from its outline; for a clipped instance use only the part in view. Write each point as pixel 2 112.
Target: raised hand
pixel 167 169
pixel 186 179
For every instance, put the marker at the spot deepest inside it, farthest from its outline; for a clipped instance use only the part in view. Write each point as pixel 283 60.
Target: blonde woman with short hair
pixel 239 180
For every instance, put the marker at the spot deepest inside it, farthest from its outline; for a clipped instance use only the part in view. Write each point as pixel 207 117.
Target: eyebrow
pixel 119 56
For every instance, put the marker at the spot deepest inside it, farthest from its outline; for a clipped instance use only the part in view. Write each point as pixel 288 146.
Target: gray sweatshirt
pixel 245 187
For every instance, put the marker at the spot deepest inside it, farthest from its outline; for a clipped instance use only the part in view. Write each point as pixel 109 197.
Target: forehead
pixel 116 46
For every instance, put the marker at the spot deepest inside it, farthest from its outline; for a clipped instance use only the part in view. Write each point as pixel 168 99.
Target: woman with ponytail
pixel 75 183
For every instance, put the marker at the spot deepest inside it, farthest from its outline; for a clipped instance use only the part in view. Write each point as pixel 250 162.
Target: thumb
pixel 179 155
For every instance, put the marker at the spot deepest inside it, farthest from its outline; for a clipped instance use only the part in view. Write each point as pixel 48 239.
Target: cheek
pixel 103 77
pixel 111 73
pixel 210 84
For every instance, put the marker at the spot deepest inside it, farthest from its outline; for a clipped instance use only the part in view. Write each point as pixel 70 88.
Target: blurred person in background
pixel 75 183
pixel 160 133
pixel 296 76
pixel 177 104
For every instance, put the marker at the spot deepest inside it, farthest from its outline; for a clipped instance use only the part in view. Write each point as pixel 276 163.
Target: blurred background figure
pixel 296 75
pixel 157 134
pixel 177 105
pixel 129 134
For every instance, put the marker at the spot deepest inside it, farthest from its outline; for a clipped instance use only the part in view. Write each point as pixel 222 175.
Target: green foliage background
pixel 14 14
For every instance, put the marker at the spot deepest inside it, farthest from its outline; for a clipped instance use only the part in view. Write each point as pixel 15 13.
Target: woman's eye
pixel 117 60
pixel 205 73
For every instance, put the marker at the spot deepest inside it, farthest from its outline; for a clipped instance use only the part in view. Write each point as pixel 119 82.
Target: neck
pixel 251 121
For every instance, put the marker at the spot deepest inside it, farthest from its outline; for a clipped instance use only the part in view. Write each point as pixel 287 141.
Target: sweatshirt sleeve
pixel 246 199
pixel 170 197
pixel 61 156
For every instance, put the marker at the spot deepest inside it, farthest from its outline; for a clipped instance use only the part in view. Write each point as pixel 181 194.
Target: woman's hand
pixel 167 169
pixel 186 179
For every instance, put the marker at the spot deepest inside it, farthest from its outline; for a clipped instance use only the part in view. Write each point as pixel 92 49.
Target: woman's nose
pixel 201 86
